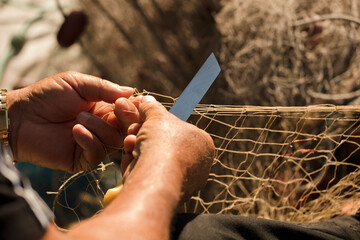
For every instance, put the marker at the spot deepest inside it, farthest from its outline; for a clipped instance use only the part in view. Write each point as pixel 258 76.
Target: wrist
pixel 15 116
pixel 152 191
pixel 154 186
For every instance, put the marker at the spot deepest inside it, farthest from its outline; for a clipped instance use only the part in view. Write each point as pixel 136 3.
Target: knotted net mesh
pixel 284 163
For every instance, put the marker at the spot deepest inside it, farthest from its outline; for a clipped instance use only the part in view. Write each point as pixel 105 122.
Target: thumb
pixel 94 89
pixel 149 107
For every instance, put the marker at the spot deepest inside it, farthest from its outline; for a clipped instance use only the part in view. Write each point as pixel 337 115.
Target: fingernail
pixel 124 88
pixel 125 105
pixel 147 99
pixel 83 117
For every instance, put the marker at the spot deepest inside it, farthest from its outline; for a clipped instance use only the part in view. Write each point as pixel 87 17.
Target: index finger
pixel 95 89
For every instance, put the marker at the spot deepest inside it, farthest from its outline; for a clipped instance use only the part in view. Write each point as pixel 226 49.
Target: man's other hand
pixel 67 121
pixel 165 140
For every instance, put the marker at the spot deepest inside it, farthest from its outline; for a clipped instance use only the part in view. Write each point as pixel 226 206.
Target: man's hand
pixel 168 141
pixel 67 121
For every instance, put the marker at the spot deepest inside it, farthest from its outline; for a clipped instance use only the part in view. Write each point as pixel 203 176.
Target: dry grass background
pixel 152 45
pixel 282 63
pixel 266 58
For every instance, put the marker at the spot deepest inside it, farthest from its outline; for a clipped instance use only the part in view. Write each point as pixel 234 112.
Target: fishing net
pixel 285 163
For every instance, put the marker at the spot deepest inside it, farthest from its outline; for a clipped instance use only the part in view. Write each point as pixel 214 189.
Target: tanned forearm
pixel 143 209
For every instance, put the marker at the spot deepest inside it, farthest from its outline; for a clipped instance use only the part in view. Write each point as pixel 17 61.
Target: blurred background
pixel 272 53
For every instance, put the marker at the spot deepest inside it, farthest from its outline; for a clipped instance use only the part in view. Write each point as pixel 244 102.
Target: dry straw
pixel 280 52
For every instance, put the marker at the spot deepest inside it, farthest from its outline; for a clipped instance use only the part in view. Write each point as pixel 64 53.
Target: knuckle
pixel 102 82
pixel 148 110
pixel 69 74
pixel 206 143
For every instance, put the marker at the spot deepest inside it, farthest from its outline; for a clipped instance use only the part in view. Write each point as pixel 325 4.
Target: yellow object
pixel 111 194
